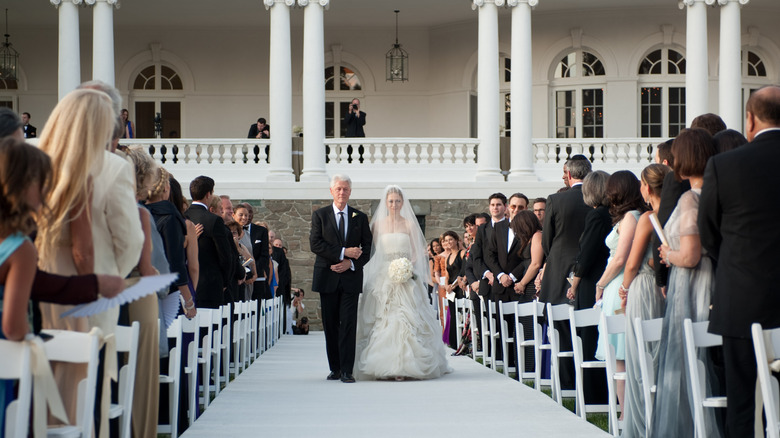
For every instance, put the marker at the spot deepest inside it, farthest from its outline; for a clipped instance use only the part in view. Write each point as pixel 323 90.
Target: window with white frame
pixel 754 76
pixel 662 93
pixel 507 96
pixel 339 91
pixel 578 95
pixel 156 97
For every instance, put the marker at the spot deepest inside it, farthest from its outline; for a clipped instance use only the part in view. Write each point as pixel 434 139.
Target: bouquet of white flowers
pixel 400 270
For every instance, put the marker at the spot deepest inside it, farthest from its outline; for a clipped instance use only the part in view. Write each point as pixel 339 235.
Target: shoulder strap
pixel 9 245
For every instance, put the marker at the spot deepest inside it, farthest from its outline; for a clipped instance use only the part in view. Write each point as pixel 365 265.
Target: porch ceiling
pixel 343 13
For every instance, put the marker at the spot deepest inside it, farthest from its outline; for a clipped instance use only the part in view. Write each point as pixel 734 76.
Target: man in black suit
pixel 258 235
pixel 259 129
pixel 29 130
pixel 341 239
pixel 497 208
pixel 564 221
pixel 472 223
pixel 355 120
pixel 738 223
pixel 214 253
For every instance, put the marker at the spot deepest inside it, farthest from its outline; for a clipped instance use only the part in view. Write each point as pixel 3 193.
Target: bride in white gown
pixel 397 333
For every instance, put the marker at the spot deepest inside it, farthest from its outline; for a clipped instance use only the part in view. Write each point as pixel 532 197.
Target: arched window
pixel 662 93
pixel 578 95
pixel 338 97
pixel 754 76
pixel 157 89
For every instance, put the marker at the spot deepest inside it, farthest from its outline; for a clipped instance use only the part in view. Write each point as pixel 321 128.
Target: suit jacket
pixel 593 256
pixel 355 124
pixel 738 225
pixel 253 131
pixel 326 243
pixel 30 131
pixel 564 221
pixel 670 194
pixel 284 279
pixel 499 260
pixel 215 257
pixel 259 239
pixel 477 253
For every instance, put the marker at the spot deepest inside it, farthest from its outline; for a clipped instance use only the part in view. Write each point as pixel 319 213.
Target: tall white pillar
pixel 313 90
pixel 103 40
pixel 280 91
pixel 730 68
pixel 696 75
pixel 69 57
pixel 521 149
pixel 488 160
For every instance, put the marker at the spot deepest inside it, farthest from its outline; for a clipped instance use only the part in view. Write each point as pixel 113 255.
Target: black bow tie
pixel 246 227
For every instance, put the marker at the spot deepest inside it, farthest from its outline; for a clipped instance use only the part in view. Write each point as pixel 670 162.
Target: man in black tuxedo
pixel 341 239
pixel 29 130
pixel 355 120
pixel 564 221
pixel 472 224
pixel 497 208
pixel 214 252
pixel 258 235
pixel 259 129
pixel 738 224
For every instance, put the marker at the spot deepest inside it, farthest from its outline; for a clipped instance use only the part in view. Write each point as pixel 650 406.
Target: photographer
pixel 300 323
pixel 259 129
pixel 355 120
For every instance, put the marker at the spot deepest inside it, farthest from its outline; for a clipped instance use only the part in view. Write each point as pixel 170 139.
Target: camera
pixel 296 294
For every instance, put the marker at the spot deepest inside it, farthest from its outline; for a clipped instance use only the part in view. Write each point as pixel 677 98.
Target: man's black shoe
pixel 347 378
pixel 334 375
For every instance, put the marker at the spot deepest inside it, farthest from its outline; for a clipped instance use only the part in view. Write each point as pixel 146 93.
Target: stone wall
pixel 291 220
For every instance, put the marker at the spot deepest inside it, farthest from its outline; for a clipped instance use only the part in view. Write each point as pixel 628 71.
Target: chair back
pixel 647 331
pixel 696 336
pixel 127 342
pixel 612 325
pixel 762 340
pixel 172 378
pixel 16 366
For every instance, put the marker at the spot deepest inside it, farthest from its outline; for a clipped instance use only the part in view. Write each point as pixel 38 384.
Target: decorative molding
pixel 668 32
pixel 531 3
pixel 480 3
pixel 576 37
pixel 323 3
pixel 270 3
pixel 114 3
pixel 56 3
pixel 753 36
pixel 692 2
pixel 725 2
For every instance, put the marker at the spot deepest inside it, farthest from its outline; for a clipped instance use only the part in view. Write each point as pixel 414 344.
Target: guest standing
pixel 691 279
pixel 355 120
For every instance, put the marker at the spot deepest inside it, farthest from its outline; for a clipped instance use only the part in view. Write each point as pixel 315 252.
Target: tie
pixel 246 227
pixel 341 225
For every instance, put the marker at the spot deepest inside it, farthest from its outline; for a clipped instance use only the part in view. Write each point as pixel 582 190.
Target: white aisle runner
pixel 285 394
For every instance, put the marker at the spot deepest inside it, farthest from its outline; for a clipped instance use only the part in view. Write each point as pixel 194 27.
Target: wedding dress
pixel 397 334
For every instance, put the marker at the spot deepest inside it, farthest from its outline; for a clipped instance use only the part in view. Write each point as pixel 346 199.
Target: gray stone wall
pixel 291 220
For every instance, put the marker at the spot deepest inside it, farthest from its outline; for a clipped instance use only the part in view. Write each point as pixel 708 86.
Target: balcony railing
pixel 390 159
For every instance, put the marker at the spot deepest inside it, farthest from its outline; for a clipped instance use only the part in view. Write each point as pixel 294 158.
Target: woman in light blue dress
pixel 626 204
pixel 641 299
pixel 690 285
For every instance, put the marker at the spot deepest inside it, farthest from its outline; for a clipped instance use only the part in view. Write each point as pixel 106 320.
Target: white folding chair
pixel 557 313
pixel 191 326
pixel 581 319
pixel 204 354
pixel 696 336
pixel 484 317
pixel 171 378
pixel 254 352
pixel 768 382
pixel 460 318
pixel 216 348
pixel 126 342
pixel 238 337
pixel 225 356
pixel 612 325
pixel 269 323
pixel 504 310
pixel 647 331
pixel 475 334
pixel 16 366
pixel 278 318
pixel 539 347
pixel 494 335
pixel 76 347
pixel 523 312
pixel 246 353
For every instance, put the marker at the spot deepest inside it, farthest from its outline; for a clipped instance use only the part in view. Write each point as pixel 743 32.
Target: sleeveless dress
pixel 688 296
pixel 397 333
pixel 450 336
pixel 645 301
pixel 7 247
pixel 611 297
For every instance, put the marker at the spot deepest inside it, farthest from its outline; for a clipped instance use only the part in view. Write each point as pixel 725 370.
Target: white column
pixel 488 164
pixel 696 75
pixel 103 40
pixel 69 62
pixel 730 68
pixel 280 91
pixel 313 90
pixel 521 149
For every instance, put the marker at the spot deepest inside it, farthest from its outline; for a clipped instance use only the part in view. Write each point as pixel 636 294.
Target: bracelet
pixel 622 289
pixel 598 286
pixel 187 309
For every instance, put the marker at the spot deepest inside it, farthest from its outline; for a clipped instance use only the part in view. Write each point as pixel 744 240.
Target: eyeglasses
pixel 538 210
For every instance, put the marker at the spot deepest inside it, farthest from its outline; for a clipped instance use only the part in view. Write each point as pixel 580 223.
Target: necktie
pixel 341 225
pixel 246 227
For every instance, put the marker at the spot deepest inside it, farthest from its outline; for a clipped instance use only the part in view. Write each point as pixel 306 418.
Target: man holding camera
pixel 355 120
pixel 298 317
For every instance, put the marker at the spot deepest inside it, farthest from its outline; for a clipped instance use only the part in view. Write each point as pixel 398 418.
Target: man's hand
pixel 506 280
pixel 109 286
pixel 341 266
pixel 353 252
pixel 475 287
pixel 489 276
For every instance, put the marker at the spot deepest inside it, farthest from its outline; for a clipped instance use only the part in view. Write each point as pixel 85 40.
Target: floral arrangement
pixel 400 270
